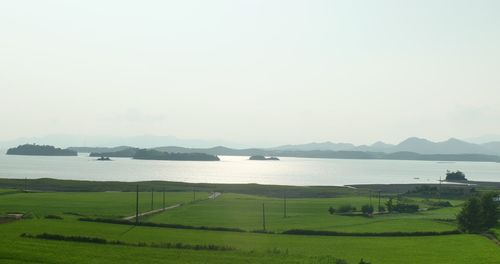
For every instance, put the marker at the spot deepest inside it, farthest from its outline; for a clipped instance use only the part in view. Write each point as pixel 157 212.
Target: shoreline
pixel 57 185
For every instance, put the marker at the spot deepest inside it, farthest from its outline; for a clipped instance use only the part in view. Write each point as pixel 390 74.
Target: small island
pixel 102 158
pixel 126 153
pixel 40 150
pixel 150 154
pixel 259 157
pixel 455 176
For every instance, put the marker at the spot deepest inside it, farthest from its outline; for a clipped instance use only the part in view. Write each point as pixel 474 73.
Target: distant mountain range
pixel 414 144
pixel 410 149
pixel 144 141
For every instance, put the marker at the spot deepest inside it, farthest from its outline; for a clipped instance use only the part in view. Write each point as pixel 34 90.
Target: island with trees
pixel 259 157
pixel 150 154
pixel 455 176
pixel 125 153
pixel 40 150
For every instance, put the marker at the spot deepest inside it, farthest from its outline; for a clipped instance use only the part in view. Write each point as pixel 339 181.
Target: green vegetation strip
pixel 96 240
pixel 177 226
pixel 287 232
pixel 382 234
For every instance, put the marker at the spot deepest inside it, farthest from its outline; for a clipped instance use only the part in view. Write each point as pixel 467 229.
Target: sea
pixel 238 169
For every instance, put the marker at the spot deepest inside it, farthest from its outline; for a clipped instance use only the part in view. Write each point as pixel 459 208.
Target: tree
pixel 390 205
pixel 469 219
pixel 479 214
pixel 489 210
pixel 455 176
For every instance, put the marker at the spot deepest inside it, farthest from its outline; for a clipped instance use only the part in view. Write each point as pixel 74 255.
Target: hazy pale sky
pixel 251 71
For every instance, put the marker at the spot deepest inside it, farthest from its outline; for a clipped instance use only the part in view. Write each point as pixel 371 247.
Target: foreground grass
pixel 250 247
pixel 229 210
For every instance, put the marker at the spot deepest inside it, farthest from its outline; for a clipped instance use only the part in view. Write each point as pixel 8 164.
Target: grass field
pixel 98 204
pixel 250 248
pixel 245 211
pixel 229 210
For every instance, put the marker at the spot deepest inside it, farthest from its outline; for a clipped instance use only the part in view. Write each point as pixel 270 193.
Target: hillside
pixel 148 154
pixel 40 150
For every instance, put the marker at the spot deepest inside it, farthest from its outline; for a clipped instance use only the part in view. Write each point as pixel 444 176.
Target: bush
pixel 367 209
pixel 178 226
pixel 96 240
pixel 363 234
pixel 363 262
pixel 53 217
pixel 381 209
pixel 331 210
pixel 439 203
pixel 326 260
pixel 406 208
pixel 346 208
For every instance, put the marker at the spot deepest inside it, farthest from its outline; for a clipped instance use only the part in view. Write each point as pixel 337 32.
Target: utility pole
pixel 137 205
pixel 371 198
pixel 379 201
pixel 163 198
pixel 152 193
pixel 439 189
pixel 263 217
pixel 284 204
pixel 25 184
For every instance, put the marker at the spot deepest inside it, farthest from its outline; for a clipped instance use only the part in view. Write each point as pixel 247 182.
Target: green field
pixel 98 204
pixel 245 211
pixel 230 210
pixel 272 248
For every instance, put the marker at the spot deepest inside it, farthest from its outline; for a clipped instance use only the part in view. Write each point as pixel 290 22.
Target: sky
pixel 253 72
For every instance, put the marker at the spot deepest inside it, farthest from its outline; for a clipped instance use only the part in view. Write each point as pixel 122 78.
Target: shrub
pixel 367 209
pixel 331 210
pixel 96 240
pixel 326 260
pixel 406 208
pixel 363 234
pixel 439 203
pixel 53 217
pixel 346 208
pixel 381 208
pixel 363 262
pixel 178 226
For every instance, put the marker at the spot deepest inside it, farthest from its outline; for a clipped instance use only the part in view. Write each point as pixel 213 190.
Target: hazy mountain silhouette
pixel 413 144
pixel 318 146
pixel 450 146
pixel 144 141
pixel 108 143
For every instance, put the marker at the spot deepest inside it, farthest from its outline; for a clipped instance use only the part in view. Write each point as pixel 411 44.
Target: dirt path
pixel 214 195
pixel 492 238
pixel 153 212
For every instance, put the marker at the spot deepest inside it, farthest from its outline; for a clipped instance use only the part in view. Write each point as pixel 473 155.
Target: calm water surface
pixel 288 171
